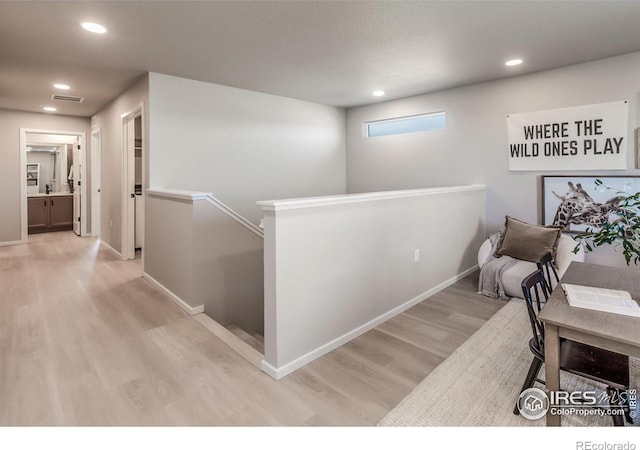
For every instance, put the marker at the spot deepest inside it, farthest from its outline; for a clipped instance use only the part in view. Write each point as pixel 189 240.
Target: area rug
pixel 479 383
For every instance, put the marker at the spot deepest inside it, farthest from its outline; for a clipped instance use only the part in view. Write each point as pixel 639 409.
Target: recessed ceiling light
pixel 64 87
pixel 94 27
pixel 49 108
pixel 513 62
pixel 377 93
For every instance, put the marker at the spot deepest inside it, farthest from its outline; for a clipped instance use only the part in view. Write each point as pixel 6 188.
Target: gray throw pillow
pixel 528 242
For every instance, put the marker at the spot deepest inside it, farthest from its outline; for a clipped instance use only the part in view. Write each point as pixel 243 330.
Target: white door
pixel 77 200
pixel 95 182
pixel 128 216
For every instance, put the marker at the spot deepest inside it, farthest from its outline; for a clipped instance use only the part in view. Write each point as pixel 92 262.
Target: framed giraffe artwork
pixel 580 202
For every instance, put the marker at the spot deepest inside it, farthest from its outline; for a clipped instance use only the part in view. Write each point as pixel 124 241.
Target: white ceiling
pixel 334 53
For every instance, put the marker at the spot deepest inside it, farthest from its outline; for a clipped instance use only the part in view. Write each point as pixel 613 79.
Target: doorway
pixel 53 174
pixel 133 145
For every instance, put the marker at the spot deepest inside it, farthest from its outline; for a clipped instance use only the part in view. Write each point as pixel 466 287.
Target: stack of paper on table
pixel 600 299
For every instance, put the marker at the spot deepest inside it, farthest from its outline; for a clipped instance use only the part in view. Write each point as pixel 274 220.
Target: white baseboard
pixel 191 310
pixel 2 244
pixel 111 249
pixel 282 371
pixel 272 371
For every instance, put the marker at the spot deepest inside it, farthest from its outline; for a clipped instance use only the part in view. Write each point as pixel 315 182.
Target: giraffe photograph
pixel 579 202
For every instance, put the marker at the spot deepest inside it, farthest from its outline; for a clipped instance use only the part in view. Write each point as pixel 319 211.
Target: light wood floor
pixel 84 340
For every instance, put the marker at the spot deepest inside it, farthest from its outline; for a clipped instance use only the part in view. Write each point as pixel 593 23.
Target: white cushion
pixel 513 276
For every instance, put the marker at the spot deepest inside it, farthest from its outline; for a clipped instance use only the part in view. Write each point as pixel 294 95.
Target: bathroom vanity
pixel 50 212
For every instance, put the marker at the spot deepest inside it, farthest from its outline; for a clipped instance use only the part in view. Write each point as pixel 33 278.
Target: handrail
pixel 235 216
pixel 195 195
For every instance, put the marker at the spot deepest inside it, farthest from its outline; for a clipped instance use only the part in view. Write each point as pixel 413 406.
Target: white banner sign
pixel 590 137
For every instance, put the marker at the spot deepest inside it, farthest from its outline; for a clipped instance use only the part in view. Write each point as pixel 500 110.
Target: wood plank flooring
pixel 84 340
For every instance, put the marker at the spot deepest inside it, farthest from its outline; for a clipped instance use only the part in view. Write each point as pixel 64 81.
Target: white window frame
pixel 366 125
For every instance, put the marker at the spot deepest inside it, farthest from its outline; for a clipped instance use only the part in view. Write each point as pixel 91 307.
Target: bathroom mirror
pixel 55 162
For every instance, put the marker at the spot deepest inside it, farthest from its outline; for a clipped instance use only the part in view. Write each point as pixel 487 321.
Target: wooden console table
pixel 615 332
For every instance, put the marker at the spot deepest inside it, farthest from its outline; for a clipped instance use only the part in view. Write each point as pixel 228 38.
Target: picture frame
pixel 577 202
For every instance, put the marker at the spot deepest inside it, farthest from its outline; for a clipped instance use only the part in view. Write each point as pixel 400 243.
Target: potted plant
pixel 621 227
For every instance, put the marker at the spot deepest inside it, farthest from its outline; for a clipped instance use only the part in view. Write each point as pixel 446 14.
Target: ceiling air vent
pixel 66 98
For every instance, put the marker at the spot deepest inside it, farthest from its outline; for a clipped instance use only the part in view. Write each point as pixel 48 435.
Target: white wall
pixel 473 148
pixel 10 169
pixel 110 121
pixel 241 145
pixel 336 267
pixel 169 246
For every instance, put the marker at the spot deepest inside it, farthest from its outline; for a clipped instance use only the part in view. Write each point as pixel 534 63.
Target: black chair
pixel 548 266
pixel 603 366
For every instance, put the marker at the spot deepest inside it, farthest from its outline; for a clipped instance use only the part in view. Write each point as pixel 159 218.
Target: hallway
pixel 84 340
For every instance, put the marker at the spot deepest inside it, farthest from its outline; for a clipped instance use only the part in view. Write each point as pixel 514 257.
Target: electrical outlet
pixel 416 255
pixel 110 222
